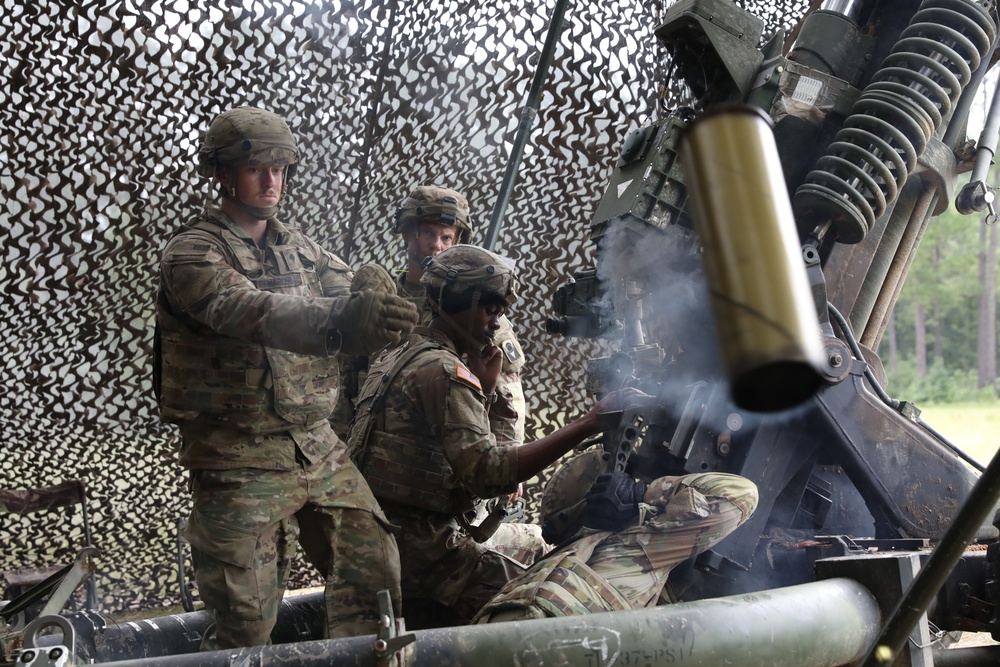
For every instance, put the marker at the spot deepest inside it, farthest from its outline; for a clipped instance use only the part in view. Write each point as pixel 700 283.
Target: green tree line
pixel 941 342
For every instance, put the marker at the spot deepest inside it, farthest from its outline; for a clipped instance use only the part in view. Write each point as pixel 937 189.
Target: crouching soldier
pixel 620 538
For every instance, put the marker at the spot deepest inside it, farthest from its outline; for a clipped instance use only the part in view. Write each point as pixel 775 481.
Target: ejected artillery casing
pixel 764 312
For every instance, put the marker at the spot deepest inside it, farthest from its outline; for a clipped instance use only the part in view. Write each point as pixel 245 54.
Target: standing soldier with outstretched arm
pixel 250 316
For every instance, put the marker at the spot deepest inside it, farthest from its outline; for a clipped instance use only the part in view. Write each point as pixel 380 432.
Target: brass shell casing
pixel 764 311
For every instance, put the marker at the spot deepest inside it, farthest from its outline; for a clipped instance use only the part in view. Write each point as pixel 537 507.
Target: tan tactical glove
pixel 369 320
pixel 373 277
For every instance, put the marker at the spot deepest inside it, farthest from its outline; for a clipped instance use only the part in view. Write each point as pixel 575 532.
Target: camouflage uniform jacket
pixel 422 437
pixel 507 421
pixel 244 360
pixel 606 571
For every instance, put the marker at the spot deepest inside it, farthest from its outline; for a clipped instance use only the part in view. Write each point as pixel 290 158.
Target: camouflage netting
pixel 102 106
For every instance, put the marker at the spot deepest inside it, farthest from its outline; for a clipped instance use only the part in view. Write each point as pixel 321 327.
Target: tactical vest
pixel 248 386
pixel 562 584
pixel 409 470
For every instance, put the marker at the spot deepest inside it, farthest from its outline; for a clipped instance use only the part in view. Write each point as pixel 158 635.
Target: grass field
pixel 973 427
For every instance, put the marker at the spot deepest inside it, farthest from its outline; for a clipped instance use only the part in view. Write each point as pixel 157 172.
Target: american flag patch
pixel 468 377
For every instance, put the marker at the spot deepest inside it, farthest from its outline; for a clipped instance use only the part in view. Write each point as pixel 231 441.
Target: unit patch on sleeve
pixel 511 351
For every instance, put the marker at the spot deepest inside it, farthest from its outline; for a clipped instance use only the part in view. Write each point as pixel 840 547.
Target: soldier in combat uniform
pixel 619 538
pixel 422 435
pixel 430 220
pixel 250 316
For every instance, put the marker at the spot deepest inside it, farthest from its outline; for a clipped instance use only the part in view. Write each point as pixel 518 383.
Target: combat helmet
pixel 436 204
pixel 470 269
pixel 564 497
pixel 247 135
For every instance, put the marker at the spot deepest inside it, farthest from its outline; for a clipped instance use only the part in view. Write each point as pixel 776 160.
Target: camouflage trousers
pixel 244 528
pixel 605 571
pixel 442 563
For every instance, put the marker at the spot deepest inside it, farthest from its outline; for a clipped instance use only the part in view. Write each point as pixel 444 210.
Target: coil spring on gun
pixel 896 116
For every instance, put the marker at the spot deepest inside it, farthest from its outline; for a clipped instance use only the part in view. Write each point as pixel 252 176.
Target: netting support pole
pixel 527 119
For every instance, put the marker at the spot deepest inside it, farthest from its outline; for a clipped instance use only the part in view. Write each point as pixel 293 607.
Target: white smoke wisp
pixel 663 267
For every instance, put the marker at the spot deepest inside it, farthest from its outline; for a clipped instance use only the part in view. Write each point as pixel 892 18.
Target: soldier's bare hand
pixel 487 365
pixel 512 498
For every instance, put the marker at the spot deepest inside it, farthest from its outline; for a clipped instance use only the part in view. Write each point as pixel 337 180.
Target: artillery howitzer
pixel 868 106
pixel 852 483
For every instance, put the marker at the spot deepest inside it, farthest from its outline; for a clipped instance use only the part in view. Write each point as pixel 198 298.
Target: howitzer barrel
pixel 300 618
pixel 974 656
pixel 811 625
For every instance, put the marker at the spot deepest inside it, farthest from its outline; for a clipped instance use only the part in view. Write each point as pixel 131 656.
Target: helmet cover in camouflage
pixel 564 497
pixel 462 268
pixel 436 204
pixel 246 135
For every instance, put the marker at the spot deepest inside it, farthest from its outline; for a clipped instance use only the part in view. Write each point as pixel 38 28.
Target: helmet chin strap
pixel 465 333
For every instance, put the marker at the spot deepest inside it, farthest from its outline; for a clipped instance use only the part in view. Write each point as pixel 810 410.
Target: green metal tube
pixel 527 119
pixel 819 624
pixel 973 656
